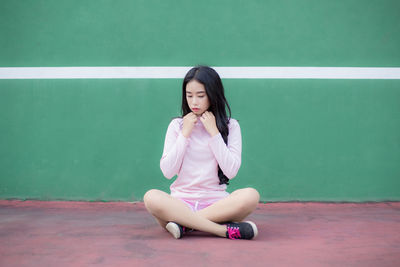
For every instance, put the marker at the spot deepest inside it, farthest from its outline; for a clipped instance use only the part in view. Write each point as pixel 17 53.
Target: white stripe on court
pixel 179 72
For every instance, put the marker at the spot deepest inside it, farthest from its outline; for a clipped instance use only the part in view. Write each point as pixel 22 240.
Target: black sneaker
pixel 241 230
pixel 177 230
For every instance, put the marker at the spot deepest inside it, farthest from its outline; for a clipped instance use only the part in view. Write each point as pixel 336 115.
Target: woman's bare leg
pixel 235 207
pixel 166 208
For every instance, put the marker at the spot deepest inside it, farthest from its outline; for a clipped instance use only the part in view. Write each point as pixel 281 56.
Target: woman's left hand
pixel 208 120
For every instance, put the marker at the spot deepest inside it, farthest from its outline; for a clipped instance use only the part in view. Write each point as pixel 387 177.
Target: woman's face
pixel 196 97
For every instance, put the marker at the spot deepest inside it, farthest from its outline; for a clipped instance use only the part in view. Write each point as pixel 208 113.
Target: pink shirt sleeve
pixel 228 156
pixel 174 149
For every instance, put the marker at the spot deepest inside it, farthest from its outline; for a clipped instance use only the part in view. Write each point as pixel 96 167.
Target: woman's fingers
pixel 208 120
pixel 188 123
pixel 207 115
pixel 191 117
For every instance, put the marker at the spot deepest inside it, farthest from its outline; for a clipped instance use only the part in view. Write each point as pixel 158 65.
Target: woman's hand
pixel 188 123
pixel 208 120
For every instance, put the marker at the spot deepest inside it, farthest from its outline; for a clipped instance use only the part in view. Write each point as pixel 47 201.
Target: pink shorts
pixel 196 205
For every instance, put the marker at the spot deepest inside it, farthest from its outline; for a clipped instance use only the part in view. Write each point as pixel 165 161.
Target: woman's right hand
pixel 188 123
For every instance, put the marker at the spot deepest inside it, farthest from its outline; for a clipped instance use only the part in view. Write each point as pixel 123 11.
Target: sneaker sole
pixel 174 230
pixel 255 230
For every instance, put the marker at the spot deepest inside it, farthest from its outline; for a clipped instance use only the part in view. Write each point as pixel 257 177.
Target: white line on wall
pixel 179 72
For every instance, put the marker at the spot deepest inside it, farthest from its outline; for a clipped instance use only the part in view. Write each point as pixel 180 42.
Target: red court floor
pixel 36 233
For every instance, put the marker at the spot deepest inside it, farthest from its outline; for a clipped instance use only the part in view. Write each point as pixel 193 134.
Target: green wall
pixel 184 33
pixel 101 139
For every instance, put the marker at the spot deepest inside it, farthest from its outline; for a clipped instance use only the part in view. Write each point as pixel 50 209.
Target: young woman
pixel 204 149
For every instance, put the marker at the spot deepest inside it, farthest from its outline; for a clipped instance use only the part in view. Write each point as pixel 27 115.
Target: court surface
pixel 38 233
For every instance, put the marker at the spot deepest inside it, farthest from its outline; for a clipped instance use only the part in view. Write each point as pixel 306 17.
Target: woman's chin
pixel 198 113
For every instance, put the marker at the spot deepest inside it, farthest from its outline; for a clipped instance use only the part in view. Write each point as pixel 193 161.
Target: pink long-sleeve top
pixel 195 160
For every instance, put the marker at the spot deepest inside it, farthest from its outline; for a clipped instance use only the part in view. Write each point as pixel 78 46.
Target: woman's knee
pixel 254 195
pixel 152 199
pixel 249 198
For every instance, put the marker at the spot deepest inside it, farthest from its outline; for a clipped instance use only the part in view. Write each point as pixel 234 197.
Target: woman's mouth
pixel 195 109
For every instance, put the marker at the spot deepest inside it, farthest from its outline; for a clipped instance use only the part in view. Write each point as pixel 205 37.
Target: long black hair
pixel 215 93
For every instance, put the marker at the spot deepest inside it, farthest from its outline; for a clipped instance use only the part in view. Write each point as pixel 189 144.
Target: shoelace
pixel 233 232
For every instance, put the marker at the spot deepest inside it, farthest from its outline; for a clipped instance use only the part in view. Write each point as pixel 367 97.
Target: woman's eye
pixel 201 96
